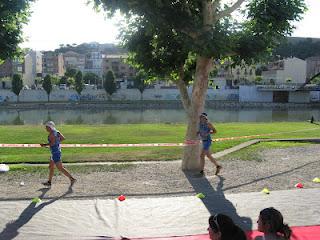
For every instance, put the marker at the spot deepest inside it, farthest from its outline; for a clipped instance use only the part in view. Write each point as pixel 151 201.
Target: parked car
pixel 63 86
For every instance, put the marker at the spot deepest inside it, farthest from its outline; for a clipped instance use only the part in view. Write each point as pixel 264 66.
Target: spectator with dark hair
pixel 270 222
pixel 221 227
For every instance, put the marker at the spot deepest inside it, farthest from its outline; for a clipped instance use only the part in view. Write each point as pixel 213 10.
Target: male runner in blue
pixel 205 131
pixel 54 139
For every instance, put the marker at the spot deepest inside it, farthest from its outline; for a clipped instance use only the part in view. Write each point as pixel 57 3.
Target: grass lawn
pixel 136 133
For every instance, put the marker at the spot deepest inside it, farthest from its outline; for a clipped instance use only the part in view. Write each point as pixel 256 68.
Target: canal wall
pixel 147 104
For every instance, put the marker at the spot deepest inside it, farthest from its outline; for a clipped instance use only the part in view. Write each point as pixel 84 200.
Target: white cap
pixel 51 125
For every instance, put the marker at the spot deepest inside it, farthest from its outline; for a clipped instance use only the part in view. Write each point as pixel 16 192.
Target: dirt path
pixel 280 169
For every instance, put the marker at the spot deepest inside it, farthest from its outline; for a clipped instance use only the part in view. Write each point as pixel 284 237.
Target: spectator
pixel 221 227
pixel 270 222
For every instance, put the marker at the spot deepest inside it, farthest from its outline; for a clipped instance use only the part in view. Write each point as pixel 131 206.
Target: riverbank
pixel 148 104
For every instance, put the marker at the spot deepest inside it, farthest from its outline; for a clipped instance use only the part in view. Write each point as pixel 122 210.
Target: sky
pixel 55 22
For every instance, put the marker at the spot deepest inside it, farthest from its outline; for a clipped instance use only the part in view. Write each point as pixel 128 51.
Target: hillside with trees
pixel 298 47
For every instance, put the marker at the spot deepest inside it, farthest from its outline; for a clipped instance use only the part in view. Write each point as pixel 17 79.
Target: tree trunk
pixel 191 155
pixel 48 97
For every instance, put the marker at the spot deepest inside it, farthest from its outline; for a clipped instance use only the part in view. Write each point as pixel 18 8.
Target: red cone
pixel 299 185
pixel 121 198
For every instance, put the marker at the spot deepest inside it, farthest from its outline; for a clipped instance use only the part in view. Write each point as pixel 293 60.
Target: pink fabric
pixel 299 233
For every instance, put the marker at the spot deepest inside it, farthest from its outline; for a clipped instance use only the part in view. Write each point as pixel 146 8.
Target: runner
pixel 205 131
pixel 54 139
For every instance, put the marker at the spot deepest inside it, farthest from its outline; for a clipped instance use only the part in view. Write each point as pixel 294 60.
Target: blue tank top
pixel 56 147
pixel 204 131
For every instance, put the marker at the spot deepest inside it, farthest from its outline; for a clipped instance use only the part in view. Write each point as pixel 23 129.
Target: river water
pixel 102 116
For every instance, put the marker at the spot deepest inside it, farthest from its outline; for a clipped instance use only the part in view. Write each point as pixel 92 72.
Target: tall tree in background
pixel 13 15
pixel 110 84
pixel 91 78
pixel 79 85
pixel 140 82
pixel 47 85
pixel 187 39
pixel 17 84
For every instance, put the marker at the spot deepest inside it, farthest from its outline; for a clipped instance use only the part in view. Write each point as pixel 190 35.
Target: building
pixel 313 66
pixel 290 70
pixel 28 75
pixel 232 77
pixel 53 64
pixel 116 64
pixel 74 60
pixel 93 63
pixel 6 69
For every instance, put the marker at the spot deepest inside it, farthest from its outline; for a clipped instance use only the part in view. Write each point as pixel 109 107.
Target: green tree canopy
pixel 13 15
pixel 79 85
pixel 110 83
pixel 140 82
pixel 187 39
pixel 91 78
pixel 71 73
pixel 63 80
pixel 47 85
pixel 17 84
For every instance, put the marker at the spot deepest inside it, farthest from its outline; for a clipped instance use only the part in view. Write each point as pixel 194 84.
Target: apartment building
pixel 93 63
pixel 6 69
pixel 232 77
pixel 116 64
pixel 313 66
pixel 290 70
pixel 52 63
pixel 74 60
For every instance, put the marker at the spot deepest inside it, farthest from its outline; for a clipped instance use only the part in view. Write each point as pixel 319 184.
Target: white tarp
pixel 148 217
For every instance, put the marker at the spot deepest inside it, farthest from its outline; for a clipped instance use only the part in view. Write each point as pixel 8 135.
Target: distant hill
pixel 105 48
pixel 291 47
pixel 298 47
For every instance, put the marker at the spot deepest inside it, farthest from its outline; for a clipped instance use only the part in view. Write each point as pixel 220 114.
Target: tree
pixel 71 73
pixel 13 15
pixel 91 78
pixel 201 35
pixel 140 82
pixel 110 84
pixel 17 84
pixel 47 85
pixel 63 80
pixel 79 85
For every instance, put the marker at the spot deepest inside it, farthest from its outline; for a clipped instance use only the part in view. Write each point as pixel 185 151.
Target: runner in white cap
pixel 54 139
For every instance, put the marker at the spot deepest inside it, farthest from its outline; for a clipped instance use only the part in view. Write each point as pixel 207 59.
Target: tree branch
pixel 229 10
pixel 192 35
pixel 186 102
pixel 216 4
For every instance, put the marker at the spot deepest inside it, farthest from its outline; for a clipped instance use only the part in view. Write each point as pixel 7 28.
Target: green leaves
pixel 47 85
pixel 79 85
pixel 162 34
pixel 110 83
pixel 17 84
pixel 13 15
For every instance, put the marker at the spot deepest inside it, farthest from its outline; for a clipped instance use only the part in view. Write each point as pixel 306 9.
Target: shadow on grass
pixel 12 228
